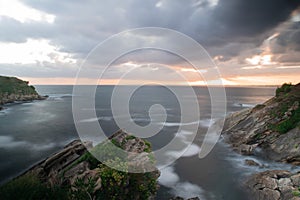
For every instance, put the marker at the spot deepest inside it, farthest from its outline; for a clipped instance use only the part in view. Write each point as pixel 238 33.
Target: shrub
pixel 289 123
pixel 284 89
pixel 296 193
pixel 29 187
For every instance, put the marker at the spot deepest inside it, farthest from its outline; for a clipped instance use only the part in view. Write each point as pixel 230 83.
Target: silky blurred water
pixel 29 132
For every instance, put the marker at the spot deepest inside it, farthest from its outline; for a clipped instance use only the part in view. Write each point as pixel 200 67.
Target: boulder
pixel 251 163
pixel 274 184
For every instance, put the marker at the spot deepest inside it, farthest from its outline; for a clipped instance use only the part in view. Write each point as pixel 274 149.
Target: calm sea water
pixel 32 131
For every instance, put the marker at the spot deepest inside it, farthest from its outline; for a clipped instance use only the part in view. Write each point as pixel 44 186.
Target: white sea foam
pixel 58 97
pixel 240 165
pixel 202 123
pixel 106 118
pixel 5 111
pixel 42 147
pixel 188 190
pixel 170 179
pixel 243 105
pixel 191 150
pixel 8 142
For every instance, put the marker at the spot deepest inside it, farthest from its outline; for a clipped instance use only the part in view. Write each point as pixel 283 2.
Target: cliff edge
pixel 73 173
pixel 271 131
pixel 13 89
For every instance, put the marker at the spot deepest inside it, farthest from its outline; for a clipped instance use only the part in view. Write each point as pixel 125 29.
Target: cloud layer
pixel 236 33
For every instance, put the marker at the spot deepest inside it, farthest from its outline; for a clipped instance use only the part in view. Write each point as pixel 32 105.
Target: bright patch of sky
pixel 20 12
pixel 32 51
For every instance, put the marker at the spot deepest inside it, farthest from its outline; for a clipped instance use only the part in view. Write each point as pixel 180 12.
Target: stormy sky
pixel 253 42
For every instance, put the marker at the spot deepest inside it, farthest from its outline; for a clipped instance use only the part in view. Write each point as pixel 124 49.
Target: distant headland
pixel 13 90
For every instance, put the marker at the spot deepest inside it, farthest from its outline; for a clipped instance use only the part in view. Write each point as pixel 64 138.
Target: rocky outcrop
pixel 270 130
pixel 75 168
pixel 274 185
pixel 272 127
pixel 15 90
pixel 11 98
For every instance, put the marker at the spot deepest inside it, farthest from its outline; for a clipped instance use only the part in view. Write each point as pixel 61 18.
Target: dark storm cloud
pixel 250 18
pixel 18 32
pixel 234 29
pixel 290 37
pixel 229 21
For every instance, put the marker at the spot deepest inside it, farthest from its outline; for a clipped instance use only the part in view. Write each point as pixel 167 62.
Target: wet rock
pixel 73 165
pixel 245 149
pixel 251 163
pixel 296 179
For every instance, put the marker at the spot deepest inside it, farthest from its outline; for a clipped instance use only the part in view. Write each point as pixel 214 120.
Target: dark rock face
pixel 50 169
pixel 273 127
pixel 251 163
pixel 75 163
pixel 15 90
pixel 274 185
pixel 258 127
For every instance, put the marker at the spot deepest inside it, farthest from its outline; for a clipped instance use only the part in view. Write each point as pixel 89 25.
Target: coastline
pixel 269 131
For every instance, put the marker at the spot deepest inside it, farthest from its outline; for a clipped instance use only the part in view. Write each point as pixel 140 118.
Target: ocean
pixel 29 132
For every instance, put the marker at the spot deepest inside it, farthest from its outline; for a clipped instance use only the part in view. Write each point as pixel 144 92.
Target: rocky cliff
pixel 13 89
pixel 73 173
pixel 270 130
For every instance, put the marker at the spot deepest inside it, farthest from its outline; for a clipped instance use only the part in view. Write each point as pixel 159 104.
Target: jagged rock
pixel 296 179
pixel 73 164
pixel 245 149
pixel 275 184
pixel 254 126
pixel 251 163
pixel 13 89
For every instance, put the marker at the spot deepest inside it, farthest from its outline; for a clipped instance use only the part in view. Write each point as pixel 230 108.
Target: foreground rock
pixel 273 127
pixel 274 185
pixel 15 90
pixel 272 131
pixel 83 177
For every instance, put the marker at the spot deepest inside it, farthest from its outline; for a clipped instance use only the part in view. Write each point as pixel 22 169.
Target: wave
pixel 203 123
pixel 106 118
pixel 8 142
pixel 170 179
pixel 190 151
pixel 263 165
pixel 58 97
pixel 5 111
pixel 243 105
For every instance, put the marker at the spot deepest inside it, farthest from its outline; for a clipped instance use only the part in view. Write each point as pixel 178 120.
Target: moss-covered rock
pixel 13 89
pixel 273 126
pixel 77 174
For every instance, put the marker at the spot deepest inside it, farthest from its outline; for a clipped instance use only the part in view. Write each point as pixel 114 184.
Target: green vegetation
pixel 12 85
pixel 82 190
pixel 289 123
pixel 287 111
pixel 284 89
pixel 30 187
pixel 121 185
pixel 85 157
pixel 296 193
pixel 115 184
pixel 130 137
